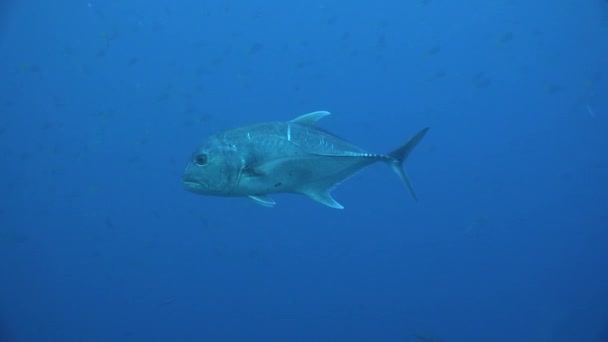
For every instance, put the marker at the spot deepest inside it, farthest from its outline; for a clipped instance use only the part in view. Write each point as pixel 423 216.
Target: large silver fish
pixel 284 157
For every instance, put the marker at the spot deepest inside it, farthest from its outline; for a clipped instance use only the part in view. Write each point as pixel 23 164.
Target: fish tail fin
pixel 398 157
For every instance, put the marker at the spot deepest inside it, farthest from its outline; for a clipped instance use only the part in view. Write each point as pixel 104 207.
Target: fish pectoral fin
pixel 310 118
pixel 263 169
pixel 324 197
pixel 269 167
pixel 264 200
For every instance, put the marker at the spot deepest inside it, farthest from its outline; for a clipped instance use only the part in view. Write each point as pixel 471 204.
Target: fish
pixel 590 112
pixel 296 156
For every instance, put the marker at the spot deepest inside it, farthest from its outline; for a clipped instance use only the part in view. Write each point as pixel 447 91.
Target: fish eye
pixel 200 159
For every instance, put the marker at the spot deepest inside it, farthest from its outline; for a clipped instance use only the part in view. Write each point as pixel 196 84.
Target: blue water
pixel 103 102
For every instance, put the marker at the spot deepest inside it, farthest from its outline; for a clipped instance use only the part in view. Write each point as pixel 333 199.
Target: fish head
pixel 214 169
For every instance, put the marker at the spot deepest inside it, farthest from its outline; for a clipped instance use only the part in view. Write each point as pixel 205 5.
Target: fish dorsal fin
pixel 324 197
pixel 264 200
pixel 310 118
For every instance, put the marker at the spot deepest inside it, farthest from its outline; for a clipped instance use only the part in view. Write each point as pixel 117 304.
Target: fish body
pixel 295 156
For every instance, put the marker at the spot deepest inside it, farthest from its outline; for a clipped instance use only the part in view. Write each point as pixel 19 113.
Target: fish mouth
pixel 192 185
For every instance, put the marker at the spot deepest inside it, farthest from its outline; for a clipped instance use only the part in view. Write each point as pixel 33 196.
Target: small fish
pixel 590 112
pixel 295 156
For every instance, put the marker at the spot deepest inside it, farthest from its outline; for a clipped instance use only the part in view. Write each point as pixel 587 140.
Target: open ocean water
pixel 102 103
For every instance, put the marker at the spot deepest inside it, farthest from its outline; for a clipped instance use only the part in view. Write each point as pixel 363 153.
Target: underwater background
pixel 103 102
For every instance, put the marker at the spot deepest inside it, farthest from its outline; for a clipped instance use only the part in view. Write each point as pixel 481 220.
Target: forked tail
pixel 399 156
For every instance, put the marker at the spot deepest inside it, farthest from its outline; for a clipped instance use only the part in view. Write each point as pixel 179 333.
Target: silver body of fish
pixel 295 156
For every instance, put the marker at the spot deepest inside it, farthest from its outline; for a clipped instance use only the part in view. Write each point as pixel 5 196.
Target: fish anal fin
pixel 263 200
pixel 310 118
pixel 323 196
